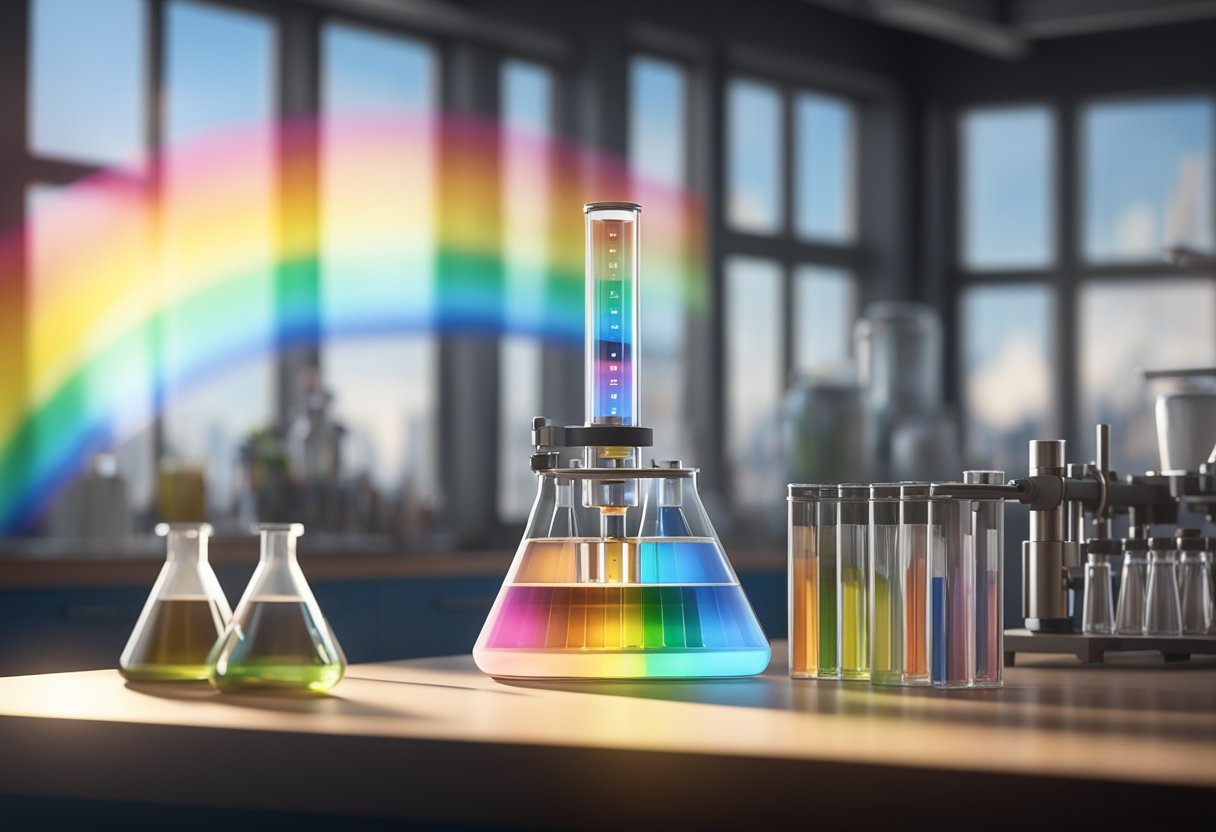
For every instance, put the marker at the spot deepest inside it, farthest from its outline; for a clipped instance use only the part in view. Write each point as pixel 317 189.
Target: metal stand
pixel 1093 649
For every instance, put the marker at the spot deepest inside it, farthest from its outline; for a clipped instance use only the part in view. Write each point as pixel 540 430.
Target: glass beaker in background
pixel 1129 612
pixel 184 615
pixel 853 581
pixel 886 615
pixel 181 491
pixel 1098 613
pixel 1163 607
pixel 278 640
pixel 1195 582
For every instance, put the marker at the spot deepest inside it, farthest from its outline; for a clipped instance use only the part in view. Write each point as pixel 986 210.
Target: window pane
pixel 658 155
pixel 754 169
pixel 825 307
pixel 1130 327
pixel 377 299
pixel 1007 175
pixel 86 80
pixel 826 195
pixel 1148 178
pixel 205 97
pixel 1008 356
pixel 97 341
pixel 754 381
pixel 527 114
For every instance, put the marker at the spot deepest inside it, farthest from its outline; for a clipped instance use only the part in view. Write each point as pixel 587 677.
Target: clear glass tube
pixel 914 548
pixel 853 584
pixel 1098 615
pixel 1163 609
pixel 886 608
pixel 612 329
pixel 1133 581
pixel 826 536
pixel 803 580
pixel 988 542
pixel 953 593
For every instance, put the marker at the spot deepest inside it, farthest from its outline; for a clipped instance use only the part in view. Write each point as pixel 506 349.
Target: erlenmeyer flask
pixel 278 640
pixel 1129 612
pixel 184 614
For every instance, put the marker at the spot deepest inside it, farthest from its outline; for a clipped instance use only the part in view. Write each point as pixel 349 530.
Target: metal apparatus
pixel 619 573
pixel 1073 508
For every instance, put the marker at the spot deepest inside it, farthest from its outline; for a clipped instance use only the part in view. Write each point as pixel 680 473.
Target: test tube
pixel 988 540
pixel 853 582
pixel 826 534
pixel 803 580
pixel 953 593
pixel 886 619
pixel 612 312
pixel 914 549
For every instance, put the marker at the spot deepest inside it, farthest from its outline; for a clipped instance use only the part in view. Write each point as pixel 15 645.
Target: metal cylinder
pixel 1047 553
pixel 1047 458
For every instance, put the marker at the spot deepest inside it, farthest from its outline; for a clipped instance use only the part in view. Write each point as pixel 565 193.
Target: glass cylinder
pixel 853 581
pixel 803 580
pixel 1163 607
pixel 827 535
pixel 1098 615
pixel 886 610
pixel 914 549
pixel 184 614
pixel 988 541
pixel 278 639
pixel 1133 585
pixel 953 592
pixel 1194 582
pixel 612 330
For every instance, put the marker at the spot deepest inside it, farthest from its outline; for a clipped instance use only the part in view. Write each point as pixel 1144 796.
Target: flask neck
pixel 186 546
pixel 278 546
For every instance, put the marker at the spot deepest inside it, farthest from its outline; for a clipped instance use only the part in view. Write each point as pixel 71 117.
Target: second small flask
pixel 278 639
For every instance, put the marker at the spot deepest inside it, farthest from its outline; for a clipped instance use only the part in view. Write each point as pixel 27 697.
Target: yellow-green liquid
pixel 854 645
pixel 174 642
pixel 279 647
pixel 884 635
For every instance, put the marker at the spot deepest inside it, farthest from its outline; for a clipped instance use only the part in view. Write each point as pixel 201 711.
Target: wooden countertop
pixel 433 739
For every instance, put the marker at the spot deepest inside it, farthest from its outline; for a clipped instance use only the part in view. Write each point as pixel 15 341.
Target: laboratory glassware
pixel 803 576
pixel 184 614
pixel 853 583
pixel 953 590
pixel 886 608
pixel 278 639
pixel 1195 581
pixel 827 535
pixel 1163 607
pixel 915 545
pixel 1133 586
pixel 987 527
pixel 1098 614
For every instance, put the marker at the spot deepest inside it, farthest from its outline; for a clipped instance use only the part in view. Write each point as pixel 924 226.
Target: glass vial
pixel 1133 587
pixel 988 542
pixel 953 593
pixel 1195 582
pixel 886 617
pixel 1163 608
pixel 803 574
pixel 914 549
pixel 278 639
pixel 1098 614
pixel 184 615
pixel 826 536
pixel 853 582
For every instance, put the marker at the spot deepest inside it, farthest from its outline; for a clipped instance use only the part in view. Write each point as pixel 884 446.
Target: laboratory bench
pixel 436 744
pixel 71 611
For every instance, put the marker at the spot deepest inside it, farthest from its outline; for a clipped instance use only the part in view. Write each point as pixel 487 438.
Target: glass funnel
pixel 184 614
pixel 278 639
pixel 628 594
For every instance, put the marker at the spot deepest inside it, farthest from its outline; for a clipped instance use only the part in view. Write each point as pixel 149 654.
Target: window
pixel 1008 383
pixel 526 115
pixel 206 420
pixel 1007 180
pixel 1129 327
pixel 824 207
pixel 378 253
pixel 754 169
pixel 1147 178
pixel 86 80
pixel 824 308
pixel 658 157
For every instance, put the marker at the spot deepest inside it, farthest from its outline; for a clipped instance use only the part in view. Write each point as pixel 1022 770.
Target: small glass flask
pixel 1163 610
pixel 183 616
pixel 1098 616
pixel 1195 582
pixel 1129 613
pixel 278 639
